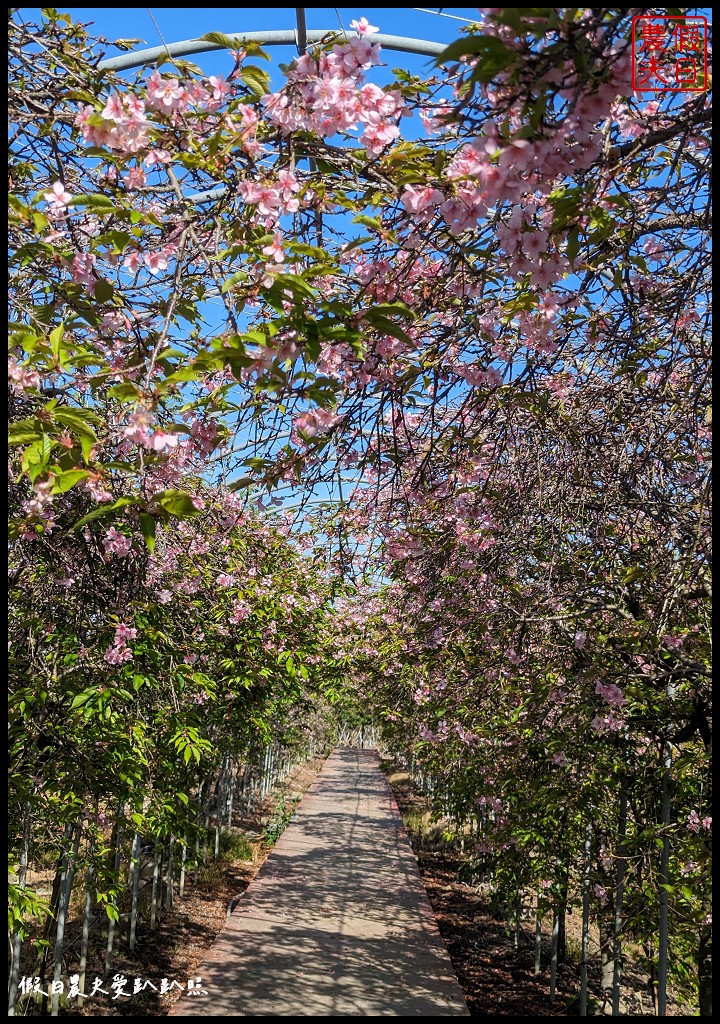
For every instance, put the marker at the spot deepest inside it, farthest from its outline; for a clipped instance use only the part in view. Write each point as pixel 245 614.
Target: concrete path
pixel 337 922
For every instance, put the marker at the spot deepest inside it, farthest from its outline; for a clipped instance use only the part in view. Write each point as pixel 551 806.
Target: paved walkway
pixel 337 922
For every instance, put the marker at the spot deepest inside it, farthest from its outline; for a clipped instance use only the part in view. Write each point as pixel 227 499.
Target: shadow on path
pixel 337 922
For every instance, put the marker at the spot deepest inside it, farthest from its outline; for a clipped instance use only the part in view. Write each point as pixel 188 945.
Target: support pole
pixel 619 894
pixel 16 944
pixel 585 922
pixel 538 938
pixel 134 884
pixel 554 953
pixel 664 934
pixel 85 937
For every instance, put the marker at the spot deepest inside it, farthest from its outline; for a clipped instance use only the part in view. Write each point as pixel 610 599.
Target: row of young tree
pixel 486 336
pixel 151 693
pixel 551 674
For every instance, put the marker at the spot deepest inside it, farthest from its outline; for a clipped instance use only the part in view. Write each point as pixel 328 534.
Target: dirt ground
pixel 498 979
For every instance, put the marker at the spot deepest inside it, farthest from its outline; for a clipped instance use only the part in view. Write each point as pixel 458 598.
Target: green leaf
pixel 177 503
pixel 78 420
pixel 103 290
pixel 220 39
pixel 298 287
pixel 83 698
pixel 393 309
pixel 634 572
pixel 241 275
pixel 64 481
pixel 242 483
pixel 24 432
pixel 96 202
pixel 493 55
pixel 369 222
pixel 573 244
pixel 383 323
pixel 256 79
pixel 105 510
pixel 56 337
pixel 148 527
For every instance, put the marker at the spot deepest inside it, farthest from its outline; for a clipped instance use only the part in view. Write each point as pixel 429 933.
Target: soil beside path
pixel 498 979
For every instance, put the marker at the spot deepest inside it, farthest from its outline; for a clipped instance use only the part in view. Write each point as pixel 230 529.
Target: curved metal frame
pixel 279 37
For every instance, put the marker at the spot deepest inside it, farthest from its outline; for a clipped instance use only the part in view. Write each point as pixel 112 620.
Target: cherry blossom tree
pixel 469 315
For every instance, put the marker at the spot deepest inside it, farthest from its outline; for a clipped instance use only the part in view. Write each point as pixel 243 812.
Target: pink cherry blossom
pixel 117 655
pixel 601 893
pixel 240 610
pixel 116 543
pixel 220 87
pixel 156 261
pixel 317 422
pixel 82 269
pixel 58 198
pixel 138 427
pixel 611 693
pixel 162 441
pixel 157 156
pixel 133 261
pixel 275 250
pixel 165 94
pixel 124 632
pixel 422 203
pixel 134 178
pixel 21 377
pixel 363 27
pixel 534 243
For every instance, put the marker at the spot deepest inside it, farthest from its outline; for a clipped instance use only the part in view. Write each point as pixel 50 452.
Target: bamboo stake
pixel 619 894
pixel 64 900
pixel 664 880
pixel 16 945
pixel 183 858
pixel 157 855
pixel 169 876
pixel 219 798
pixel 197 836
pixel 207 822
pixel 134 886
pixel 231 794
pixel 585 923
pixel 116 869
pixel 538 938
pixel 87 909
pixel 554 953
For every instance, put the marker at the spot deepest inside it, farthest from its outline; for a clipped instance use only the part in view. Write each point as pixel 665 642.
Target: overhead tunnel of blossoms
pixel 386 401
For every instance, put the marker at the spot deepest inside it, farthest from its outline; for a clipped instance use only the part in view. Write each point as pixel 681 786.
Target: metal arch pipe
pixel 207 197
pixel 276 37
